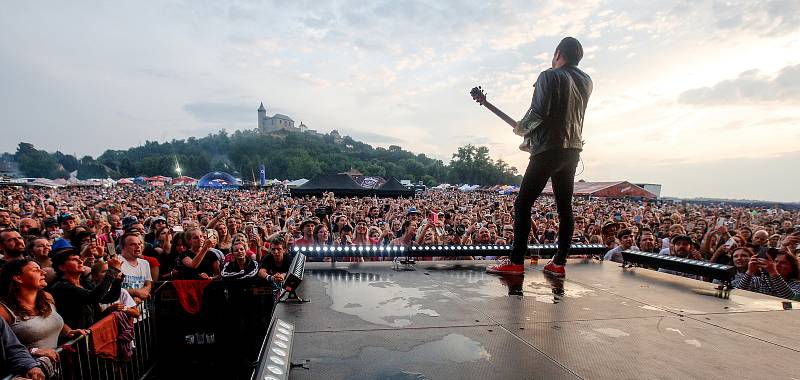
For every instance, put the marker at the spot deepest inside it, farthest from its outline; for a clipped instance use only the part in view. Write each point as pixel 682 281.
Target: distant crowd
pixel 70 255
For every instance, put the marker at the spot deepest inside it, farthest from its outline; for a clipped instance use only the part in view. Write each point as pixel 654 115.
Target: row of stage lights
pixel 473 250
pixel 276 353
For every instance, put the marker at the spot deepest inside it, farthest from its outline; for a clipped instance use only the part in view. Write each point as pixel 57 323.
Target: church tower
pixel 262 117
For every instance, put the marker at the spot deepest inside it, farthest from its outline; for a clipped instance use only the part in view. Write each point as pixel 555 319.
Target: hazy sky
pixel 700 96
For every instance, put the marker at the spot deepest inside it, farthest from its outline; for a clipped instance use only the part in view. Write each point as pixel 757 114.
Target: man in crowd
pixel 647 242
pixel 67 222
pixel 682 247
pixel 138 278
pixel 12 245
pixel 28 226
pixel 307 229
pixel 5 219
pixel 625 237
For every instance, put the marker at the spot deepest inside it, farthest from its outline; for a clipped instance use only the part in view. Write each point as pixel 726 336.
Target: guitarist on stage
pixel 552 131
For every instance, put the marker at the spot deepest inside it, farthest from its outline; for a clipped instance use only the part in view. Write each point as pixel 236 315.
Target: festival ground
pixel 451 320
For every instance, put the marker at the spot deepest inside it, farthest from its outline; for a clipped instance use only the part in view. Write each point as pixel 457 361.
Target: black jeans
pixel 558 165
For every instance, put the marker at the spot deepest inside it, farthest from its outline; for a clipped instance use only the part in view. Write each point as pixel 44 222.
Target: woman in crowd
pixel 198 262
pixel 31 312
pixel 779 277
pixel 225 239
pixel 361 237
pixel 242 266
pixel 322 235
pixel 741 259
pixel 39 250
pixel 212 235
pixel 77 299
pixel 723 254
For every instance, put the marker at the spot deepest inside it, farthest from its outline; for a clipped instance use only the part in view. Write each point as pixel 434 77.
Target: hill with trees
pixel 285 155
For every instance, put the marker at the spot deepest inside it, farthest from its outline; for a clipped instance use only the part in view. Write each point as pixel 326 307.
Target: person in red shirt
pixel 308 233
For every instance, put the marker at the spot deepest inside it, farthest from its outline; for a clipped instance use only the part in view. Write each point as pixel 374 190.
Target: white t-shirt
pixel 135 276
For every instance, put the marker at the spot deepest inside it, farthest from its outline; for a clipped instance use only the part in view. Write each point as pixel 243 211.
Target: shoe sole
pixel 554 274
pixel 505 272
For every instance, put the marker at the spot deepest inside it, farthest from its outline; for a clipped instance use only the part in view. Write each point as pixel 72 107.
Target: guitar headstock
pixel 478 95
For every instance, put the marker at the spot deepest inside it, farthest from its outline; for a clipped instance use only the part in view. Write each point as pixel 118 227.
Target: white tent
pixel 297 183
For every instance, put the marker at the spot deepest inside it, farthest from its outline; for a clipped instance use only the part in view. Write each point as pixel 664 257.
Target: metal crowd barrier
pixel 77 359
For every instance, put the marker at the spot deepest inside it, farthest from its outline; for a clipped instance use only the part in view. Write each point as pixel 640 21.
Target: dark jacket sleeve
pixel 540 104
pixel 85 296
pixel 15 357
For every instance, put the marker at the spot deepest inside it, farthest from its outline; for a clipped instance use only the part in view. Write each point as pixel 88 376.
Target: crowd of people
pixel 71 255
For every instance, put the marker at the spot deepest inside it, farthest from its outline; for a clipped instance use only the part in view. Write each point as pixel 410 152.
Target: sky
pixel 702 97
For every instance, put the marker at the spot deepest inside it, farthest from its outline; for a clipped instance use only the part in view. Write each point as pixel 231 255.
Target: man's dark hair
pixel 61 257
pixel 571 49
pixel 125 236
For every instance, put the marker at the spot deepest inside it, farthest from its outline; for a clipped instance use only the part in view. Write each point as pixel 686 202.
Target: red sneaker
pixel 554 269
pixel 507 267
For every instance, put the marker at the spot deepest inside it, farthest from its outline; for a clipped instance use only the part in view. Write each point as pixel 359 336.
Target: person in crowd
pixel 15 360
pixel 225 239
pixel 276 263
pixel 779 277
pixel 408 233
pixel 307 228
pixel 242 266
pixel 68 222
pixel 625 237
pixel 647 242
pixel 321 235
pixel 39 251
pixel 196 263
pixel 77 300
pixel 5 219
pixel 28 226
pixel 126 303
pixel 682 247
pixel 759 241
pixel 31 312
pixel 138 280
pixel 12 245
pixel 741 260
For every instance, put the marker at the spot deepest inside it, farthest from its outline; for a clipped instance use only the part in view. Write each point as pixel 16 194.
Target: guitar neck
pixel 500 114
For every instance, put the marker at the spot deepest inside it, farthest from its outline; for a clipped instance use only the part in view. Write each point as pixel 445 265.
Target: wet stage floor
pixel 451 320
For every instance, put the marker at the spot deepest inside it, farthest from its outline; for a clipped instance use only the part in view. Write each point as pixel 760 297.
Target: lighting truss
pixel 444 250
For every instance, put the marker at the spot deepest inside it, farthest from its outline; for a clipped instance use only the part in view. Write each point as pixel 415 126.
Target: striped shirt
pixel 771 285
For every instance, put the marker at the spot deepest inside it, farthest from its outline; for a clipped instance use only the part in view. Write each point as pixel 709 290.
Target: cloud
pixel 221 112
pixel 750 86
pixel 371 137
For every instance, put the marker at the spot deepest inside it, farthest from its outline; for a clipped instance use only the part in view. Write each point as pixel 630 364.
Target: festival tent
pixel 296 183
pixel 125 181
pixel 346 185
pixel 184 180
pixel 218 180
pixel 393 188
pixel 619 189
pixel 467 188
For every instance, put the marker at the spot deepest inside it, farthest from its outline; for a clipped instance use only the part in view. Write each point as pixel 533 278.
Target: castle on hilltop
pixel 277 122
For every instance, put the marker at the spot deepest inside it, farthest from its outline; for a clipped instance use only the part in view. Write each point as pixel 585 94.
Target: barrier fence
pixel 78 358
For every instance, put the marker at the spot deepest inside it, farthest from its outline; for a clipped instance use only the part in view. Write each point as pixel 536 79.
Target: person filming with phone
pixel 779 277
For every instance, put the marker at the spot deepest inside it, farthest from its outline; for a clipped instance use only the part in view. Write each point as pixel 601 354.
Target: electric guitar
pixel 479 96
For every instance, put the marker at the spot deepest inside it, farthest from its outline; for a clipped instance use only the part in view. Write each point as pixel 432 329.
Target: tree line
pixel 285 155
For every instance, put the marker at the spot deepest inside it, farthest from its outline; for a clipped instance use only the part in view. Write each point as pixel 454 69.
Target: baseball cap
pixel 685 238
pixel 128 221
pixel 412 210
pixel 65 217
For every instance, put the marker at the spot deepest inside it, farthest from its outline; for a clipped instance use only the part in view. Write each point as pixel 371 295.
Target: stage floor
pixel 451 320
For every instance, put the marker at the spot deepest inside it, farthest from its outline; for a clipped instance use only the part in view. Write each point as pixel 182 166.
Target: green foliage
pixel 284 154
pixel 37 163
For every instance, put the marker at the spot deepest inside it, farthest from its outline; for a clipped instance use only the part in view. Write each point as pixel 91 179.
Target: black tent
pixel 345 185
pixel 393 188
